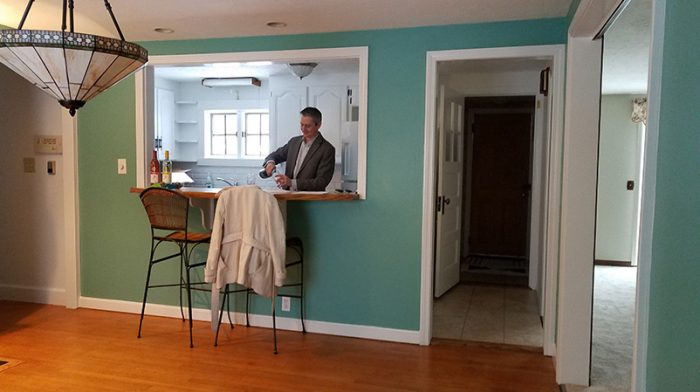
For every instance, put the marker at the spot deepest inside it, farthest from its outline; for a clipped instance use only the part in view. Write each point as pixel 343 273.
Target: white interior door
pixel 449 197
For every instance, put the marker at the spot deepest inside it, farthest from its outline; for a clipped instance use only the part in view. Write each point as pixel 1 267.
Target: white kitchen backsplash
pixel 237 175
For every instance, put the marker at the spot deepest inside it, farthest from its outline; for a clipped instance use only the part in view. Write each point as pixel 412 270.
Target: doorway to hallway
pixel 547 153
pixel 499 178
pixel 496 223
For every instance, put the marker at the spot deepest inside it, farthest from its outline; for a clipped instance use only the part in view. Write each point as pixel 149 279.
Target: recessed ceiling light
pixel 277 25
pixel 163 30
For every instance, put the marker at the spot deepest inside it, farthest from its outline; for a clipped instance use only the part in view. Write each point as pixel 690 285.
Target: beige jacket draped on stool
pixel 247 242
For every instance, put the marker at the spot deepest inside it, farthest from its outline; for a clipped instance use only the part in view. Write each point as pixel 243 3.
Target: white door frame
pixel 590 18
pixel 576 279
pixel 555 53
pixel 71 210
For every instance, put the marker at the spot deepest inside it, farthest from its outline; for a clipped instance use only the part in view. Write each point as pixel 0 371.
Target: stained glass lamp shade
pixel 72 67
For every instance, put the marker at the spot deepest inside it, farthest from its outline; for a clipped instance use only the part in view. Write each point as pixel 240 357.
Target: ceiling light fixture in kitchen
pixel 301 70
pixel 227 82
pixel 72 67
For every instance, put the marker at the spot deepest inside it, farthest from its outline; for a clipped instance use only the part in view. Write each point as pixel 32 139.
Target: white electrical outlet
pixel 286 304
pixel 121 166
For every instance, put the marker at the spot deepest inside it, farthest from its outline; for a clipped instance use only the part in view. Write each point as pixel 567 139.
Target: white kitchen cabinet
pixel 285 105
pixel 287 101
pixel 331 101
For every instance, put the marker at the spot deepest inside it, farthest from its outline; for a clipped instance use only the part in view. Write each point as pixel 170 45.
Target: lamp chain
pixel 109 9
pixel 26 12
pixel 70 8
pixel 68 5
pixel 63 20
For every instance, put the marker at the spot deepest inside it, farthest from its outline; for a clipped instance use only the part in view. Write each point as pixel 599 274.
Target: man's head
pixel 310 122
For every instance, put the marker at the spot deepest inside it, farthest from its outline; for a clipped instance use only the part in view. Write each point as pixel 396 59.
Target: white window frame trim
pixel 144 142
pixel 208 158
pixel 207 133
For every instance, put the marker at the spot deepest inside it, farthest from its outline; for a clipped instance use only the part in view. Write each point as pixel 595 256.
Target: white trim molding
pixel 578 205
pixel 360 53
pixel 285 323
pixel 555 53
pixel 646 232
pixel 39 295
pixel 71 210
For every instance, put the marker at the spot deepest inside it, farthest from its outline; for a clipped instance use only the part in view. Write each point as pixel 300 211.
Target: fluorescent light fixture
pixel 227 82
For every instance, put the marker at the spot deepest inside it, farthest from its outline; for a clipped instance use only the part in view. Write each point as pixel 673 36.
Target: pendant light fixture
pixel 72 67
pixel 301 70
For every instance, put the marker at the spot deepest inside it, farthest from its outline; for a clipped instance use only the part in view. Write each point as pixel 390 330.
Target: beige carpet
pixel 613 322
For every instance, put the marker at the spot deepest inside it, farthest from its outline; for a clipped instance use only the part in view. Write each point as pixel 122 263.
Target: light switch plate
pixel 121 166
pixel 29 165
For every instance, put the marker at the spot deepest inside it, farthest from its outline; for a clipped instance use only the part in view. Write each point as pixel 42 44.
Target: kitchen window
pixel 236 134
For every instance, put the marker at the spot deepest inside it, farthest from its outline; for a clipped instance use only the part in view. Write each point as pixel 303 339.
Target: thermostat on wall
pixel 48 144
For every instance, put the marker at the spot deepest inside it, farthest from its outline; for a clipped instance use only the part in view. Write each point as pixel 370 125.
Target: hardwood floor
pixel 51 348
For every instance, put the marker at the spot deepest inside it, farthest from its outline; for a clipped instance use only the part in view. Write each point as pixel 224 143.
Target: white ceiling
pixel 626 54
pixel 626 51
pixel 227 18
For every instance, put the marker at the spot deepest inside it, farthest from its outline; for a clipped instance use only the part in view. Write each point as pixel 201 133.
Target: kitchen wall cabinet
pixel 287 101
pixel 331 101
pixel 285 104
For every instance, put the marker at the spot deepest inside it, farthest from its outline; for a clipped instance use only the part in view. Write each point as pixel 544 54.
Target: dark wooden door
pixel 500 191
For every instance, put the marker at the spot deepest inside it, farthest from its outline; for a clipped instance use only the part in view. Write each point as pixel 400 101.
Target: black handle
pixel 442 202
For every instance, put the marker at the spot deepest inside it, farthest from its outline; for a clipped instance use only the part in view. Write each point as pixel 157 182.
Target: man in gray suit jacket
pixel 310 158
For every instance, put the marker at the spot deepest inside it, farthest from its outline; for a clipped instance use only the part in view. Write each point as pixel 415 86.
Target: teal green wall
pixel 674 310
pixel 572 9
pixel 363 258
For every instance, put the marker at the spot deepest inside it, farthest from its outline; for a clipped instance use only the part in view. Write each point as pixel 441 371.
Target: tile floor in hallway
pixel 484 313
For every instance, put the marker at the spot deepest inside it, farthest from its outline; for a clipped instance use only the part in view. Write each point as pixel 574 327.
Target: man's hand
pixel 269 168
pixel 283 181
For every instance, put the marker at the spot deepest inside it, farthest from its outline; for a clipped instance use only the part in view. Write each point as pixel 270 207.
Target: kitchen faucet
pixel 235 182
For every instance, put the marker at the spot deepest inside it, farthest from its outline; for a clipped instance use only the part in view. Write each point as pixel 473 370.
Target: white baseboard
pixel 40 295
pixel 285 323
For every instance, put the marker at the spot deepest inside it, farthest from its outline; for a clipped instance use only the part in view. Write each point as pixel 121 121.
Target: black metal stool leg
pixel 189 296
pixel 145 291
pixel 274 324
pixel 247 304
pixel 228 309
pixel 182 282
pixel 221 315
pixel 301 294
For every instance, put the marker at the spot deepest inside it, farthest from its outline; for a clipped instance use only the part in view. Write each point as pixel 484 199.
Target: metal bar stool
pixel 168 212
pixel 296 246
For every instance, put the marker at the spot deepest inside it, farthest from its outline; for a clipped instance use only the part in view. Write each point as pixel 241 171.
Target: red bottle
pixel 155 168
